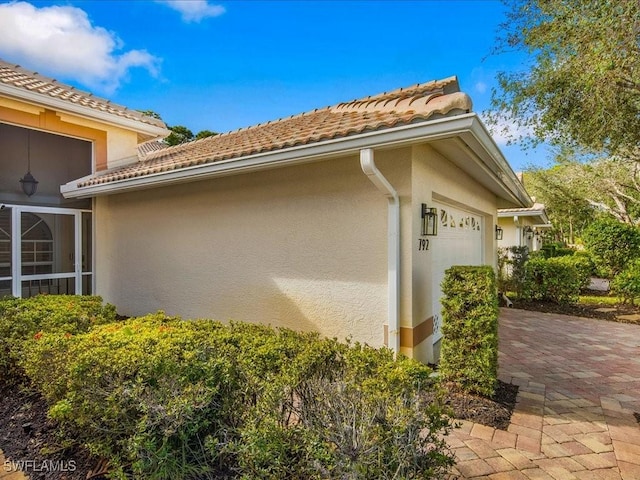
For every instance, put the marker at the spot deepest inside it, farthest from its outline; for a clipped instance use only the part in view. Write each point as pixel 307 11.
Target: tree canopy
pixel 179 133
pixel 576 193
pixel 582 86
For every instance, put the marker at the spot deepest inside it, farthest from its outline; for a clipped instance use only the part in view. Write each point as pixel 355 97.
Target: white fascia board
pixel 500 165
pixel 84 112
pixel 522 213
pixel 404 135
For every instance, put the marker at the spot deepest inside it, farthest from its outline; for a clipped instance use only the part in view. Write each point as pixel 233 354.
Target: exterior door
pixel 459 242
pixel 44 250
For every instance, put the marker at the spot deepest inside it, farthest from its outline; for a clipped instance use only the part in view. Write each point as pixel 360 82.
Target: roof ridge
pixel 408 92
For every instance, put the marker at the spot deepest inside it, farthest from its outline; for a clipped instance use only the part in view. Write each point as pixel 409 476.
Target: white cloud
pixel 480 87
pixel 194 10
pixel 61 41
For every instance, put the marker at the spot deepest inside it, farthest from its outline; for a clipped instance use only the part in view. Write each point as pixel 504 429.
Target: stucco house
pixel 340 220
pixel 524 226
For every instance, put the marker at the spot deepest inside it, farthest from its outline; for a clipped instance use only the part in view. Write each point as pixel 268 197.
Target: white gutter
pixel 368 165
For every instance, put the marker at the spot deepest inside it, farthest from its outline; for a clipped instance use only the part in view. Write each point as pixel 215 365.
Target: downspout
pixel 368 165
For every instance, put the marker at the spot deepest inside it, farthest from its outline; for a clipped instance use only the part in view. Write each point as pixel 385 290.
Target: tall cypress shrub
pixel 469 356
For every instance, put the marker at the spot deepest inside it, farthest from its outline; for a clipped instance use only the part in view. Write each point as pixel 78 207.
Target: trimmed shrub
pixel 584 267
pixel 166 398
pixel 21 319
pixel 469 357
pixel 626 284
pixel 554 279
pixel 612 244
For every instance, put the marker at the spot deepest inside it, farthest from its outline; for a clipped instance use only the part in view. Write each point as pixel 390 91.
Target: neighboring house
pixel 523 226
pixel 318 221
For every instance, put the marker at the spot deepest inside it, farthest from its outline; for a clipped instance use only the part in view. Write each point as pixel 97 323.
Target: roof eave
pixel 495 167
pixel 145 129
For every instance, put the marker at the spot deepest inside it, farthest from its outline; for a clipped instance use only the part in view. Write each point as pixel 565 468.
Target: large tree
pixel 575 193
pixel 568 211
pixel 581 87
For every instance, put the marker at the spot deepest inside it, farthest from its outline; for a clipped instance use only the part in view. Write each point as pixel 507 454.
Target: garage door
pixel 459 242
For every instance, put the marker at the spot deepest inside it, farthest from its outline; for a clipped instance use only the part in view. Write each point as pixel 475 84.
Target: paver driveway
pixel 579 386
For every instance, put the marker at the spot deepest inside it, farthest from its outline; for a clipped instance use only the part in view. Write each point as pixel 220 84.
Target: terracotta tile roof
pixel 146 148
pixel 384 111
pixel 16 76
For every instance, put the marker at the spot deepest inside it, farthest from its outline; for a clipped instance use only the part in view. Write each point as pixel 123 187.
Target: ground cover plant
pixel 160 397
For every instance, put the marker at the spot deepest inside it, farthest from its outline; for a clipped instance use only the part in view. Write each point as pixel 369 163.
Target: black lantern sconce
pixel 499 232
pixel 429 220
pixel 28 181
pixel 528 231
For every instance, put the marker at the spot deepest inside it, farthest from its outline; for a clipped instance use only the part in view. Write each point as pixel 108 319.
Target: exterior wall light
pixel 528 231
pixel 499 232
pixel 429 220
pixel 28 181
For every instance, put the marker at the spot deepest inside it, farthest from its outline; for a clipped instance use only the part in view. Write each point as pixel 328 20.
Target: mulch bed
pixel 25 431
pixel 492 412
pixel 591 310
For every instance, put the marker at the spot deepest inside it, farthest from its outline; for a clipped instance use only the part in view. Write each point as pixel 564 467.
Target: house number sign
pixel 423 244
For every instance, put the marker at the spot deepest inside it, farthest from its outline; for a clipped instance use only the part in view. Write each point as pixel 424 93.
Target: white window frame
pixel 16 248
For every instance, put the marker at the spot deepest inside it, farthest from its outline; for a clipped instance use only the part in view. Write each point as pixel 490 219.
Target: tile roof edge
pixel 119 114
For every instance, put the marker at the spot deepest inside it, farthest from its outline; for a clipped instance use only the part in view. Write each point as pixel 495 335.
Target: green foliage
pixel 583 264
pixel 612 244
pixel 469 356
pixel 204 134
pixel 178 399
pixel 179 134
pixel 511 268
pixel 554 279
pixel 581 87
pixel 21 319
pixel 566 205
pixel 626 284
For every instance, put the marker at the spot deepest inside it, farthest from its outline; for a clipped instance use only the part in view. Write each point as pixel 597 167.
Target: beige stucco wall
pixel 513 233
pixel 303 247
pixel 113 145
pixel 122 145
pixel 437 179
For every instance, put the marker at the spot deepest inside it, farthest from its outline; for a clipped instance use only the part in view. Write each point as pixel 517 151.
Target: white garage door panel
pixel 459 242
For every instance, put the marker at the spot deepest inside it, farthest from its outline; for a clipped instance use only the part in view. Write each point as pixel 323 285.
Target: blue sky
pixel 224 65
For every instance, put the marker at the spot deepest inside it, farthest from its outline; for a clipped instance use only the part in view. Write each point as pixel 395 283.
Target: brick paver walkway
pixel 579 386
pixel 8 471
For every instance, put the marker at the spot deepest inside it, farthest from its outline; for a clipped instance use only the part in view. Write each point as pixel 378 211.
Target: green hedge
pixel 164 398
pixel 556 279
pixel 469 355
pixel 21 319
pixel 613 244
pixel 626 284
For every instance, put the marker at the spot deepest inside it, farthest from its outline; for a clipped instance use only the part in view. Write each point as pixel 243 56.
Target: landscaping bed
pixel 603 310
pixel 26 432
